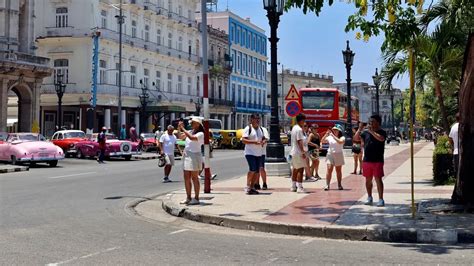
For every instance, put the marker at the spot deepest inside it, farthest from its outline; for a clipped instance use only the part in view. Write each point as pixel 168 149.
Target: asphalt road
pixel 76 214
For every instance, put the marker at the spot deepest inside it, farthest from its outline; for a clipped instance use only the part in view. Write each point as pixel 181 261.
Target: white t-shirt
pixel 194 146
pixel 334 147
pixel 267 137
pixel 168 143
pixel 158 135
pixel 255 134
pixel 296 134
pixel 454 135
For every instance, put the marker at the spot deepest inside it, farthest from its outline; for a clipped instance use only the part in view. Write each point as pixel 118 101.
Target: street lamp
pixel 348 56
pixel 376 78
pixel 275 149
pixel 144 101
pixel 120 20
pixel 60 88
pixel 392 94
pixel 198 105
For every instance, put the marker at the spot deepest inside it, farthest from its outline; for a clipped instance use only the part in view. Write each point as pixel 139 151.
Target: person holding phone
pixel 254 139
pixel 357 151
pixel 335 157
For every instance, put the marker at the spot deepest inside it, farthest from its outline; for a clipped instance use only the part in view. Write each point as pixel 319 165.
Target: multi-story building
pixel 21 72
pixel 160 49
pixel 248 52
pixel 301 80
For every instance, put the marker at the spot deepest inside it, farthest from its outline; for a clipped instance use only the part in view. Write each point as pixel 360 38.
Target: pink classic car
pixel 114 147
pixel 29 147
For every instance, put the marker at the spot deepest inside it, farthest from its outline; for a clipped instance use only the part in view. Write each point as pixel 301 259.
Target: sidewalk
pixel 335 214
pixel 8 168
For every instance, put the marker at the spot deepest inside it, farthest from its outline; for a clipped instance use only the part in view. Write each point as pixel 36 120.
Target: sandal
pixel 326 188
pixel 186 201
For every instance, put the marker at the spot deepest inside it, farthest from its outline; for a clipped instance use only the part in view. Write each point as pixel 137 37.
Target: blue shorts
pixel 253 162
pixel 262 161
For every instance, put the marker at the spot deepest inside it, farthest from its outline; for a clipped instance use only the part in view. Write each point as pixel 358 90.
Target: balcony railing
pixel 217 101
pixel 23 58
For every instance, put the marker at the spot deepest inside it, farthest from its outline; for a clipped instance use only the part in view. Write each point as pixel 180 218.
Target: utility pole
pixel 120 20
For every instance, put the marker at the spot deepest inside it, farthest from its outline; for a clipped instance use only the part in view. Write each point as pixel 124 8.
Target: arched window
pixel 61 67
pixel 61 17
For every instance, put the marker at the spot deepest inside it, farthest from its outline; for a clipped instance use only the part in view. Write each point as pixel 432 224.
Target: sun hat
pixel 197 120
pixel 338 127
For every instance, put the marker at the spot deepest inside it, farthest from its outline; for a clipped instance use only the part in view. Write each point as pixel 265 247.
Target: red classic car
pixel 67 139
pixel 149 141
pixel 114 147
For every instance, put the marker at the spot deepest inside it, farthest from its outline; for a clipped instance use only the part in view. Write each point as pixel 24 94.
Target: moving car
pixel 149 141
pixel 114 147
pixel 232 138
pixel 67 139
pixel 29 147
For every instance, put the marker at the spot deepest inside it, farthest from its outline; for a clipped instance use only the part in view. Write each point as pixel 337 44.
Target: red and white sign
pixel 293 94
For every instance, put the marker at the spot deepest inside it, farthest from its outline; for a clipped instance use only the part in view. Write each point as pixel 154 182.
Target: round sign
pixel 293 108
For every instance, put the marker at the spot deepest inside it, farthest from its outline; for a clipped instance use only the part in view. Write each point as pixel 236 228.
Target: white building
pixel 160 45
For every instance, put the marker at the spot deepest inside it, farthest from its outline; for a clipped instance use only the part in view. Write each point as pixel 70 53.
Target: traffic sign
pixel 293 108
pixel 293 94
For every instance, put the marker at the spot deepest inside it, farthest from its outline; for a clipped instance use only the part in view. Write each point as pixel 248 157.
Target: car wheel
pixel 128 157
pixel 14 161
pixel 79 154
pixel 53 163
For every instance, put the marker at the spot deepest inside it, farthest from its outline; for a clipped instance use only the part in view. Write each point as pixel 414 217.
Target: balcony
pixel 65 32
pixel 216 101
pixel 23 58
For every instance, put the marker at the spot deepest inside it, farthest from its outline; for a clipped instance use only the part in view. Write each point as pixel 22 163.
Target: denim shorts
pixel 254 162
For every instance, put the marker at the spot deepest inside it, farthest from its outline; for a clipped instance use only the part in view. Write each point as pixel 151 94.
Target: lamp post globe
pixel 348 57
pixel 376 78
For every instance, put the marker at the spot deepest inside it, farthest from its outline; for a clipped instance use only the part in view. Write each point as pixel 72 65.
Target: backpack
pixel 250 131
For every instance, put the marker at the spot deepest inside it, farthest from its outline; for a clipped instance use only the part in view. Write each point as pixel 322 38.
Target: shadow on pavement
pixel 433 249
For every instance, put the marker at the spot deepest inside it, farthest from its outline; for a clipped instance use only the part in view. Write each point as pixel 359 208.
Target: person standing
pixel 254 140
pixel 133 133
pixel 306 143
pixel 123 132
pixel 373 141
pixel 357 152
pixel 101 139
pixel 454 141
pixel 192 158
pixel 166 146
pixel 298 155
pixel 262 171
pixel 314 144
pixel 335 155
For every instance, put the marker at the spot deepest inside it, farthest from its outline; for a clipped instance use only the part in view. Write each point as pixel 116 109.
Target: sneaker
pixel 300 190
pixel 251 191
pixel 340 188
pixel 369 201
pixel 381 203
pixel 257 186
pixel 186 201
pixel 213 176
pixel 264 187
pixel 310 179
pixel 326 188
pixel 194 202
pixel 166 180
pixel 318 177
pixel 293 189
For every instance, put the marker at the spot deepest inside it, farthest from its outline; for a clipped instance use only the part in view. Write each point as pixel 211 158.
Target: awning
pixel 166 108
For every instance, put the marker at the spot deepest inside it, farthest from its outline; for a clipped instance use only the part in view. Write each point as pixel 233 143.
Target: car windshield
pixel 78 134
pixel 314 100
pixel 148 135
pixel 3 136
pixel 27 137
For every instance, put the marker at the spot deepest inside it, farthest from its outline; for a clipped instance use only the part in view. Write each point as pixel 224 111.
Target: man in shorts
pixel 166 147
pixel 254 139
pixel 373 141
pixel 298 155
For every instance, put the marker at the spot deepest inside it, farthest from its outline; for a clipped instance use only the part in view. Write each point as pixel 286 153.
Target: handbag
pixel 356 149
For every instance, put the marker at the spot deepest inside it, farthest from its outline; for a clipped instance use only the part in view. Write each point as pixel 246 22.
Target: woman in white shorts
pixel 192 158
pixel 335 155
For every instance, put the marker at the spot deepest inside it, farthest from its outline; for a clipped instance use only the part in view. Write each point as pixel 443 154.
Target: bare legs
pixel 167 170
pixel 315 168
pixel 369 186
pixel 191 179
pixel 338 176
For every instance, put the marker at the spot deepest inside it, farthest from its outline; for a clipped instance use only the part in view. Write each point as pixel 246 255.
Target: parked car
pixel 149 142
pixel 3 136
pixel 67 140
pixel 114 147
pixel 232 138
pixel 29 147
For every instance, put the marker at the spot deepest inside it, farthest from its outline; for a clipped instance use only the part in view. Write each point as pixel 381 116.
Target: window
pixel 170 40
pixel 61 67
pixel 254 43
pixel 170 5
pixel 180 11
pixel 250 66
pixel 61 17
pixel 158 36
pixel 158 80
pixel 244 68
pixel 146 77
pixel 233 92
pixel 180 84
pixel 189 15
pixel 249 40
pixel 239 92
pixel 238 35
pixel 170 82
pixel 102 72
pixel 180 43
pixel 232 32
pixel 190 83
pixel 133 81
pixel 255 67
pixel 147 33
pixel 238 62
pixel 134 29
pixel 245 95
pixel 244 33
pixel 103 19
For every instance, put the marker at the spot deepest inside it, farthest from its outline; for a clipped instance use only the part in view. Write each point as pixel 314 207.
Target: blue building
pixel 248 80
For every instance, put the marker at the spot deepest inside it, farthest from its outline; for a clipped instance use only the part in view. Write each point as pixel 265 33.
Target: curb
pixel 377 233
pixel 15 169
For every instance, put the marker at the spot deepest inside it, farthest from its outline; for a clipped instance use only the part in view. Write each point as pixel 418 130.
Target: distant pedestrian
pixel 314 144
pixel 335 155
pixel 102 139
pixel 307 169
pixel 262 171
pixel 373 140
pixel 254 139
pixel 133 133
pixel 454 140
pixel 298 155
pixel 123 132
pixel 166 146
pixel 192 158
pixel 357 152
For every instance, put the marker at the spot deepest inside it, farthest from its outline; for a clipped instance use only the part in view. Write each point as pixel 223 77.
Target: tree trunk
pixel 463 190
pixel 442 108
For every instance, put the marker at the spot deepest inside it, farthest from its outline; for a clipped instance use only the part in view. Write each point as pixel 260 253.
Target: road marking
pixel 307 241
pixel 82 257
pixel 179 231
pixel 61 176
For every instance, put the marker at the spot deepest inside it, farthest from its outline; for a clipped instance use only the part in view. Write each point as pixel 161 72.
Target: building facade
pixel 21 72
pixel 248 52
pixel 160 53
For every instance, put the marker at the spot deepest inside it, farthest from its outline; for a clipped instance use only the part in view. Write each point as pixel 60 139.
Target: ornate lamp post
pixel 376 78
pixel 348 56
pixel 60 88
pixel 275 150
pixel 144 96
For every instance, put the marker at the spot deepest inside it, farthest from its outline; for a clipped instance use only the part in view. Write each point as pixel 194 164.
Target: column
pixel 3 104
pixel 35 112
pixel 107 118
pixel 173 117
pixel 162 121
pixel 124 117
pixel 137 121
pixel 149 127
pixel 229 121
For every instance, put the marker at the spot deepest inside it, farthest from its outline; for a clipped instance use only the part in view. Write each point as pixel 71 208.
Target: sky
pixel 314 44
